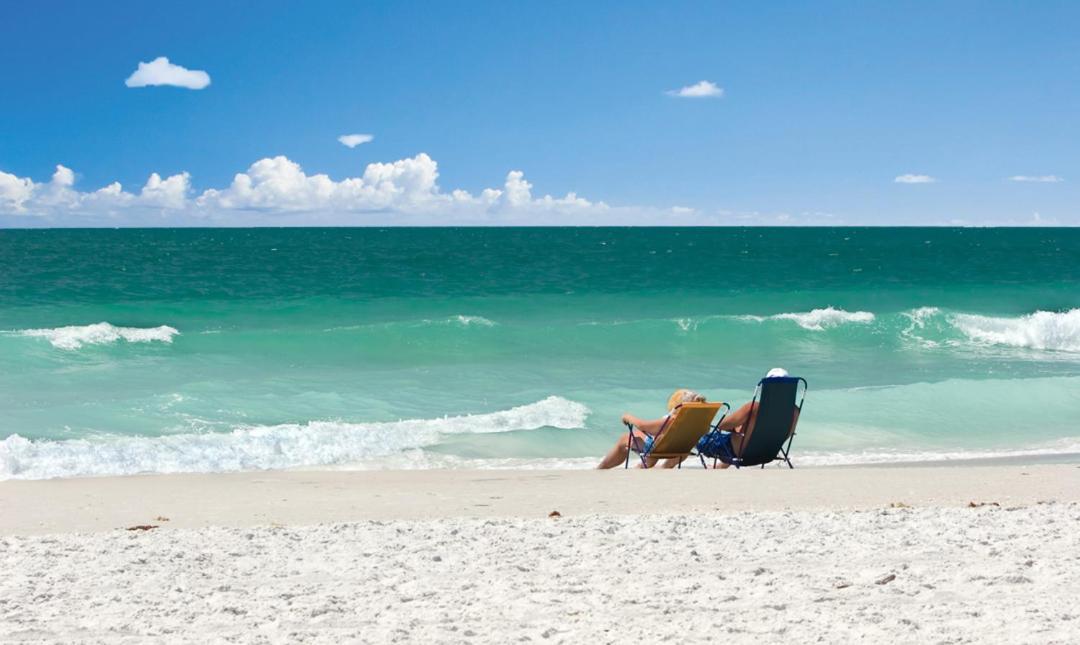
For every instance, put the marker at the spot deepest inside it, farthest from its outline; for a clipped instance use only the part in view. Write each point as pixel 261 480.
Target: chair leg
pixel 787 459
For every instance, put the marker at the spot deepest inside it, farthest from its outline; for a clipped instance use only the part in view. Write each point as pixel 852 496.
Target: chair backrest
pixel 773 420
pixel 689 423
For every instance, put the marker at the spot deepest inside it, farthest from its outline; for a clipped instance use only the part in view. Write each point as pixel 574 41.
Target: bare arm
pixel 652 427
pixel 736 421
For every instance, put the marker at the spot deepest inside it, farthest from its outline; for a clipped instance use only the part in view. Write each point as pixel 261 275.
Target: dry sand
pixel 758 556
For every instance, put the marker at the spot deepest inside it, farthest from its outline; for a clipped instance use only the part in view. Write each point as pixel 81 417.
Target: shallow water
pixel 204 350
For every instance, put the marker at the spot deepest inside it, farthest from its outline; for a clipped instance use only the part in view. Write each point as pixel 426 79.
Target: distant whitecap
pixel 76 336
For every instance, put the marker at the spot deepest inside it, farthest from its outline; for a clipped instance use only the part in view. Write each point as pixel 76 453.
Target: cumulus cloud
pixel 914 179
pixel 14 192
pixel 63 177
pixel 353 140
pixel 171 192
pixel 699 90
pixel 1039 179
pixel 279 190
pixel 279 183
pixel 161 72
pixel 57 198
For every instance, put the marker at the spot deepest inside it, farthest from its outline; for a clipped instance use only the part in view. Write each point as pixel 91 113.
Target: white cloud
pixel 280 184
pixel 277 190
pixel 59 189
pixel 699 90
pixel 161 72
pixel 518 191
pixel 63 177
pixel 171 192
pixel 58 198
pixel 353 140
pixel 1040 179
pixel 14 192
pixel 914 179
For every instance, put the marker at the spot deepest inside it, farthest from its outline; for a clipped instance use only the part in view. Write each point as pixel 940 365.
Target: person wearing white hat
pixel 738 426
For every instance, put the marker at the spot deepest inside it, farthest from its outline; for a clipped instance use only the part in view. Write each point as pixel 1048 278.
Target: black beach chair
pixel 769 431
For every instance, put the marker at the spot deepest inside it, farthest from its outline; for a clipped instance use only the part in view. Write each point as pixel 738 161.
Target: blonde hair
pixel 678 397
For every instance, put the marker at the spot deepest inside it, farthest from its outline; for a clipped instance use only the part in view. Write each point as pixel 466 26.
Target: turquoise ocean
pixel 207 350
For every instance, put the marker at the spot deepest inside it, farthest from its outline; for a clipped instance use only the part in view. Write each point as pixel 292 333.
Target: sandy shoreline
pixel 880 554
pixel 319 497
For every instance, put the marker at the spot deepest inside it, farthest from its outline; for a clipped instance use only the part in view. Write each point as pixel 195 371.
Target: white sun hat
pixel 777 372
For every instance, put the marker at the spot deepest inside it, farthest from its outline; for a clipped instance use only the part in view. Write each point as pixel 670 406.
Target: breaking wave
pixel 819 319
pixel 458 320
pixel 316 443
pixel 1044 330
pixel 76 336
pixel 466 321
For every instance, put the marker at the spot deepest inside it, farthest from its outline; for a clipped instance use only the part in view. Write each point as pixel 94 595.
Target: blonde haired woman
pixel 645 432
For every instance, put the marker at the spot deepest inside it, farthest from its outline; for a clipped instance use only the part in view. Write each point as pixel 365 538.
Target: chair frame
pixel 633 443
pixel 783 456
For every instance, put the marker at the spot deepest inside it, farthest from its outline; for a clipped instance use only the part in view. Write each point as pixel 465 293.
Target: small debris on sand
pixel 161 518
pixel 899 505
pixel 554 514
pixel 884 580
pixel 141 527
pixel 978 504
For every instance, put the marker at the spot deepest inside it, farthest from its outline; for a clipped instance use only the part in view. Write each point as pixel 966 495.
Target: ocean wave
pixel 920 316
pixel 316 443
pixel 457 320
pixel 76 336
pixel 1058 448
pixel 818 319
pixel 424 460
pixel 467 321
pixel 1043 330
pixel 918 320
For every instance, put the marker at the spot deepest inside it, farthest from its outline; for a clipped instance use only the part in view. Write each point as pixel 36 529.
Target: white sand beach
pixel 881 554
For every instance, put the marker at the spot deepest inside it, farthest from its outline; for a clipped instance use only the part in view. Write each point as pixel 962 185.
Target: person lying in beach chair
pixel 671 437
pixel 760 431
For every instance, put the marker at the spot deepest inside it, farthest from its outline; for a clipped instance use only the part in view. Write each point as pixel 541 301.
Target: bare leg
pixel 736 443
pixel 617 454
pixel 735 423
pixel 672 462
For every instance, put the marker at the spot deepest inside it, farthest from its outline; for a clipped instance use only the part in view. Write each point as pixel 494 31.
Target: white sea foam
pixel 686 324
pixel 424 460
pixel 467 321
pixel 819 319
pixel 76 336
pixel 1062 447
pixel 459 320
pixel 1044 330
pixel 316 443
pixel 919 318
pixel 921 315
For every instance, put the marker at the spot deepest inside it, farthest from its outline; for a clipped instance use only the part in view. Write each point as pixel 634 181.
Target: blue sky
pixel 824 106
